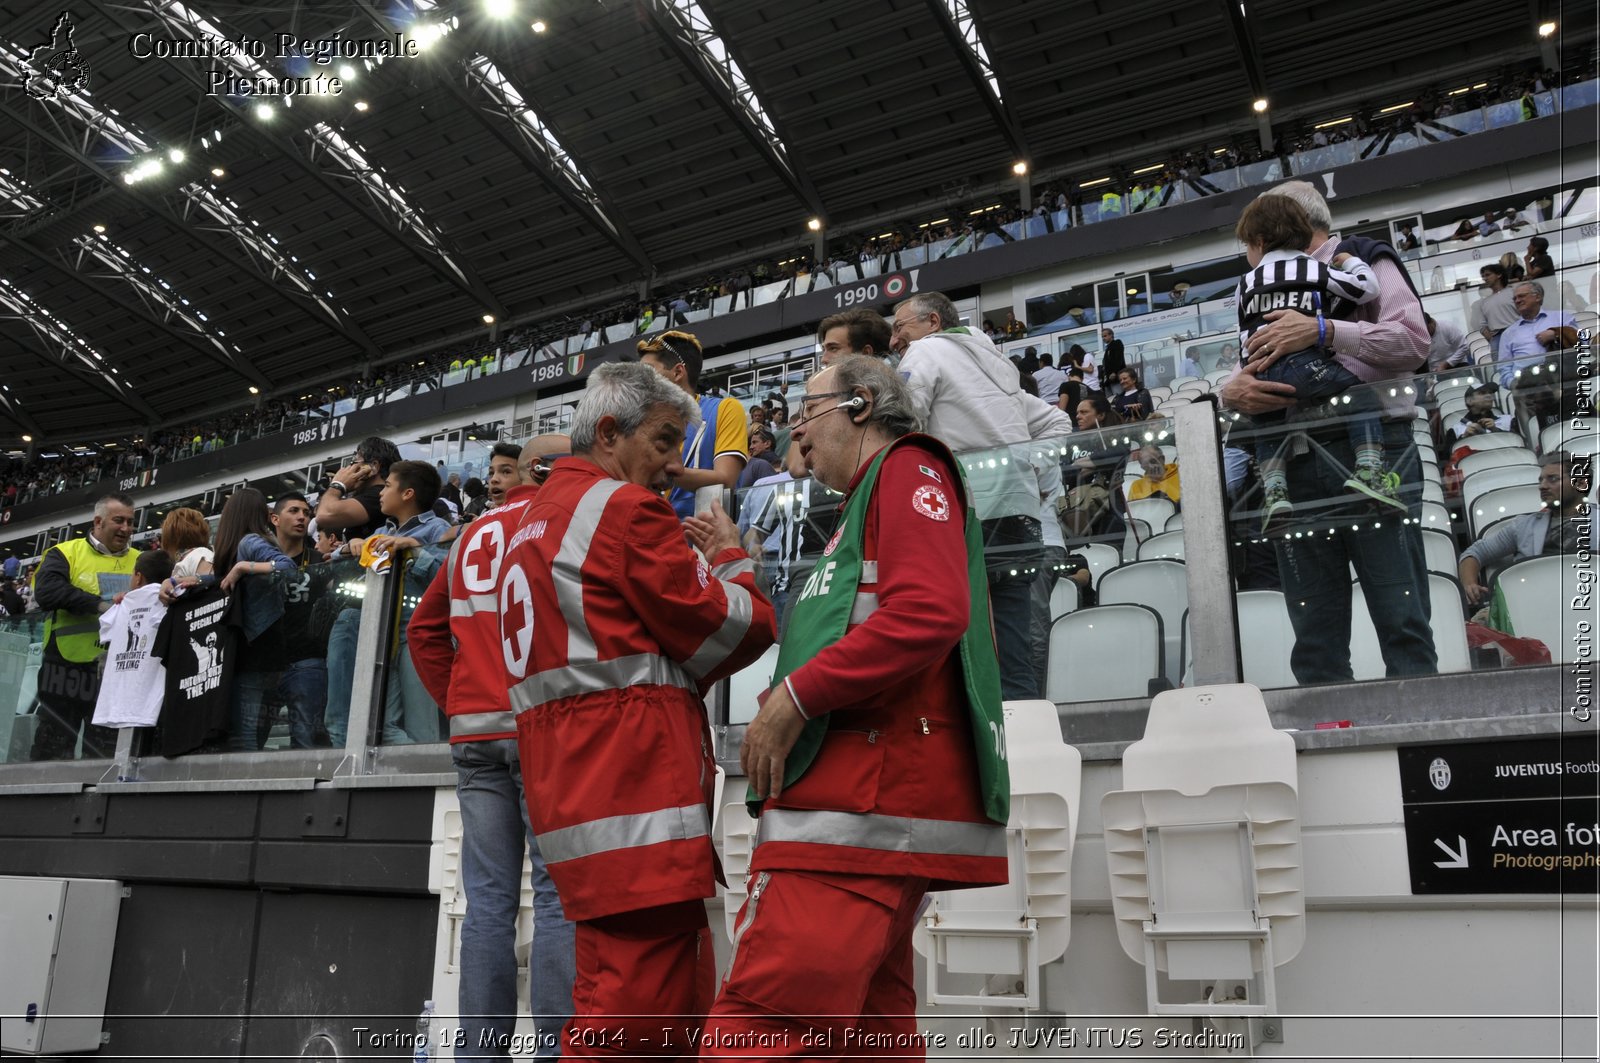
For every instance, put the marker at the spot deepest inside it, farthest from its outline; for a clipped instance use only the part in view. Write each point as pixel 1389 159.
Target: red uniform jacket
pixel 454 633
pixel 611 627
pixel 894 789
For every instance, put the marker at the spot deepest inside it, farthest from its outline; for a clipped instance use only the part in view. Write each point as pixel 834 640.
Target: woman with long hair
pixel 245 530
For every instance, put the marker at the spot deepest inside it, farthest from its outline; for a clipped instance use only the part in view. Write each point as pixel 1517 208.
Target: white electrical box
pixel 57 936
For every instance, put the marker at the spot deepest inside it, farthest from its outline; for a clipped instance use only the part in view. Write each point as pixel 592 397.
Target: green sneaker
pixel 1377 483
pixel 1275 509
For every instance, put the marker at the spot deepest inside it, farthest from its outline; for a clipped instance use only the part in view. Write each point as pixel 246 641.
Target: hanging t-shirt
pixel 133 682
pixel 199 641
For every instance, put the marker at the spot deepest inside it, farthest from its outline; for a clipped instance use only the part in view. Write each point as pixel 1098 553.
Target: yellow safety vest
pixel 76 636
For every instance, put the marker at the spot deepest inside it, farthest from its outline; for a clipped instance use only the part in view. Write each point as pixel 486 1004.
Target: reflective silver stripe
pixel 733 569
pixel 482 723
pixel 473 604
pixel 615 833
pixel 591 677
pixel 894 834
pixel 869 572
pixel 566 571
pixel 723 641
pixel 866 604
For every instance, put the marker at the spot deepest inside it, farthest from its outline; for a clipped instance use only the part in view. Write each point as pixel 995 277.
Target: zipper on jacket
pixel 749 917
pixel 924 721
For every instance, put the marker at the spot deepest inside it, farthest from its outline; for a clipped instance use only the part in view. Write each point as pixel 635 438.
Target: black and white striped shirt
pixel 1292 280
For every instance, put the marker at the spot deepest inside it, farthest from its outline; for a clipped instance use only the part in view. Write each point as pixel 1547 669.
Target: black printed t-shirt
pixel 199 641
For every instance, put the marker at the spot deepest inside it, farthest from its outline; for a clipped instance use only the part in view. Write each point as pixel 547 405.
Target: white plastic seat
pixel 1014 929
pixel 1175 522
pixel 1498 458
pixel 1153 511
pixel 1434 515
pixel 1554 437
pixel 1440 550
pixel 1445 618
pixel 1178 382
pixel 1217 376
pixel 1110 651
pixel 1266 640
pixel 1063 599
pixel 1452 408
pixel 1161 584
pixel 1500 503
pixel 1203 849
pixel 1538 602
pixel 1432 491
pixel 1160 393
pixel 1166 544
pixel 1102 558
pixel 1479 483
pixel 1497 441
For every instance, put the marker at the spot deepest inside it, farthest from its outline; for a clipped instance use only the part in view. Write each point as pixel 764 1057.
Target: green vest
pixel 818 621
pixel 76 636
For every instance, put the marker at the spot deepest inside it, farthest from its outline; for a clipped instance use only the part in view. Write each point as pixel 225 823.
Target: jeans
pixel 409 716
pixel 341 673
pixel 1013 552
pixel 494 829
pixel 1316 376
pixel 1044 584
pixel 303 686
pixel 1388 559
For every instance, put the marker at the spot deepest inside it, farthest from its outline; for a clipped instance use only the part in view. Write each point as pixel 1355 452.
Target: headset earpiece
pixel 854 403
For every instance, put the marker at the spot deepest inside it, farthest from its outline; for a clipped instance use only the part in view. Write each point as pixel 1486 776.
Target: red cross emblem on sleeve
pixel 931 502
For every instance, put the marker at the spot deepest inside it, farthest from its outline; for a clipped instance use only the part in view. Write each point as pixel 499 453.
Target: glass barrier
pixel 409 715
pixel 21 654
pixel 296 635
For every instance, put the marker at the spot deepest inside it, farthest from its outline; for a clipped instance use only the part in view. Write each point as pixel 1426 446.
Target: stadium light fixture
pixel 1019 168
pixel 362 105
pixel 347 72
pixel 176 155
pixel 815 225
pixel 27 439
pixel 488 319
pixel 264 113
pixel 1547 29
pixel 99 228
pixel 1260 105
pixel 217 171
pixel 539 25
pixel 499 8
pixel 254 390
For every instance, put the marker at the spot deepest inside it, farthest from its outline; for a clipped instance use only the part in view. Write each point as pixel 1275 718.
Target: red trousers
pixel 821 968
pixel 644 982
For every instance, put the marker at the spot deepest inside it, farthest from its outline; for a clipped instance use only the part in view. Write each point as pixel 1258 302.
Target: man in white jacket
pixel 970 397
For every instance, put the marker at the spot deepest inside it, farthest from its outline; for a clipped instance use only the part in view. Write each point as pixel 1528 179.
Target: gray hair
pixel 891 410
pixel 627 392
pixel 1538 289
pixel 1305 193
pixel 103 506
pixel 934 303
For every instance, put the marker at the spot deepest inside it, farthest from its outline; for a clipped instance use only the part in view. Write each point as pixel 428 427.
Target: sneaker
pixel 1379 484
pixel 1275 509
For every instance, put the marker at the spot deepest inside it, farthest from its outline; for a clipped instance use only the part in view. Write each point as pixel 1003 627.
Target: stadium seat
pixel 1102 558
pixel 1538 594
pixel 747 684
pixel 1556 436
pixel 1488 479
pixel 1446 620
pixel 1063 599
pixel 1440 550
pixel 1500 503
pixel 1499 458
pixel 1153 511
pixel 1160 584
pixel 1497 441
pixel 1166 544
pixel 1110 651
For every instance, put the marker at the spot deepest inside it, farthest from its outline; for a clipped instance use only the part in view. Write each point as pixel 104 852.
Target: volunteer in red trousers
pixel 455 645
pixel 611 629
pixel 879 751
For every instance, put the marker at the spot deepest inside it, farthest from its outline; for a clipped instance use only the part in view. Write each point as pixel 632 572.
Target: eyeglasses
pixel 807 400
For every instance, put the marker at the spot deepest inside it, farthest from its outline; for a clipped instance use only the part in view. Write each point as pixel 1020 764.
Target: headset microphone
pixel 855 403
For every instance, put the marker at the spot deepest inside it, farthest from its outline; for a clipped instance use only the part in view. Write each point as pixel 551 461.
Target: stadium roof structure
pixel 168 243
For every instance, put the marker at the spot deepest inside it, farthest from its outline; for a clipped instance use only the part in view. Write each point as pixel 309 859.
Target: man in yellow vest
pixel 74 583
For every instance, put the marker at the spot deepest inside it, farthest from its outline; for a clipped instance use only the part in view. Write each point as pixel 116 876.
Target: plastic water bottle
pixel 424 1032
